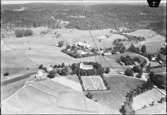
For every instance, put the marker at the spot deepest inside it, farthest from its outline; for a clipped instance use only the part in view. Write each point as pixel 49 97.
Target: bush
pixel 107 70
pixel 163 50
pixel 23 32
pixel 127 109
pixel 158 79
pixel 143 49
pixel 129 72
pixel 52 74
pixel 132 48
pixel 60 43
pixel 136 59
pixel 6 74
pixel 137 69
pixel 88 95
pixel 127 60
pixel 28 32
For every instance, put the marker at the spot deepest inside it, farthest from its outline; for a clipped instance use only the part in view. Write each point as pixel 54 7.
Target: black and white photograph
pixel 83 57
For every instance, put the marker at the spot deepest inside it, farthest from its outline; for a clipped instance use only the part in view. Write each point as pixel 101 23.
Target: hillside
pixel 87 17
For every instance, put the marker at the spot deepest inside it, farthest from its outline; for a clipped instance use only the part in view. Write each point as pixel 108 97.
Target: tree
pixel 127 109
pixel 143 49
pixel 163 50
pixel 6 74
pixel 52 74
pixel 88 95
pixel 129 72
pixel 137 69
pixel 60 43
pixel 132 48
pixel 148 68
pixel 107 70
pixel 136 59
pixel 40 66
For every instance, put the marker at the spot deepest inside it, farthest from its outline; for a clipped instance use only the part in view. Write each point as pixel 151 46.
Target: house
pixel 85 66
pixel 145 76
pixel 107 53
pixel 81 52
pixel 41 74
pixel 83 44
pixel 49 68
pixel 154 58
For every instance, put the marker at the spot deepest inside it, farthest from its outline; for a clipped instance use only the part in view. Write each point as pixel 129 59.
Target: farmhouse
pixel 41 74
pixel 81 52
pixel 85 66
pixel 83 44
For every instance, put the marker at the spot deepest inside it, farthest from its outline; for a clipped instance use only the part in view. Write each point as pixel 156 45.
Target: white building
pixel 81 52
pixel 41 74
pixel 85 67
pixel 83 44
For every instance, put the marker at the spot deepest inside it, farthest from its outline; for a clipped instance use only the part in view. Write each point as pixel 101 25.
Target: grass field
pixel 29 52
pixel 119 86
pixel 52 98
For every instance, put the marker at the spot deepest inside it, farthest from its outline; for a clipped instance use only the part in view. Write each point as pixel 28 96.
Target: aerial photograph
pixel 83 57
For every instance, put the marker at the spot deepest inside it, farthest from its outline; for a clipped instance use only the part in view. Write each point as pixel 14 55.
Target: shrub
pixel 129 72
pixel 143 49
pixel 137 69
pixel 136 59
pixel 28 32
pixel 6 74
pixel 40 66
pixel 23 32
pixel 107 70
pixel 163 50
pixel 60 43
pixel 52 74
pixel 88 95
pixel 19 33
pixel 158 79
pixel 126 109
pixel 132 48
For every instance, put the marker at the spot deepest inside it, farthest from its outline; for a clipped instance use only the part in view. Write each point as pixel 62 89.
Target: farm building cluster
pixel 90 74
pixel 84 49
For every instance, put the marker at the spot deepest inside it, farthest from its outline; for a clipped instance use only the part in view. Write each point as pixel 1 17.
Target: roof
pixel 85 66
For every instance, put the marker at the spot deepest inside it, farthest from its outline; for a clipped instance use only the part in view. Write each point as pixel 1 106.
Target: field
pixel 41 48
pixel 93 83
pixel 29 52
pixel 146 98
pixel 51 97
pixel 119 86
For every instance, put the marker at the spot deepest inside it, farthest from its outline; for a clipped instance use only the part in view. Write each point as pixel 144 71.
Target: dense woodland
pixel 106 16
